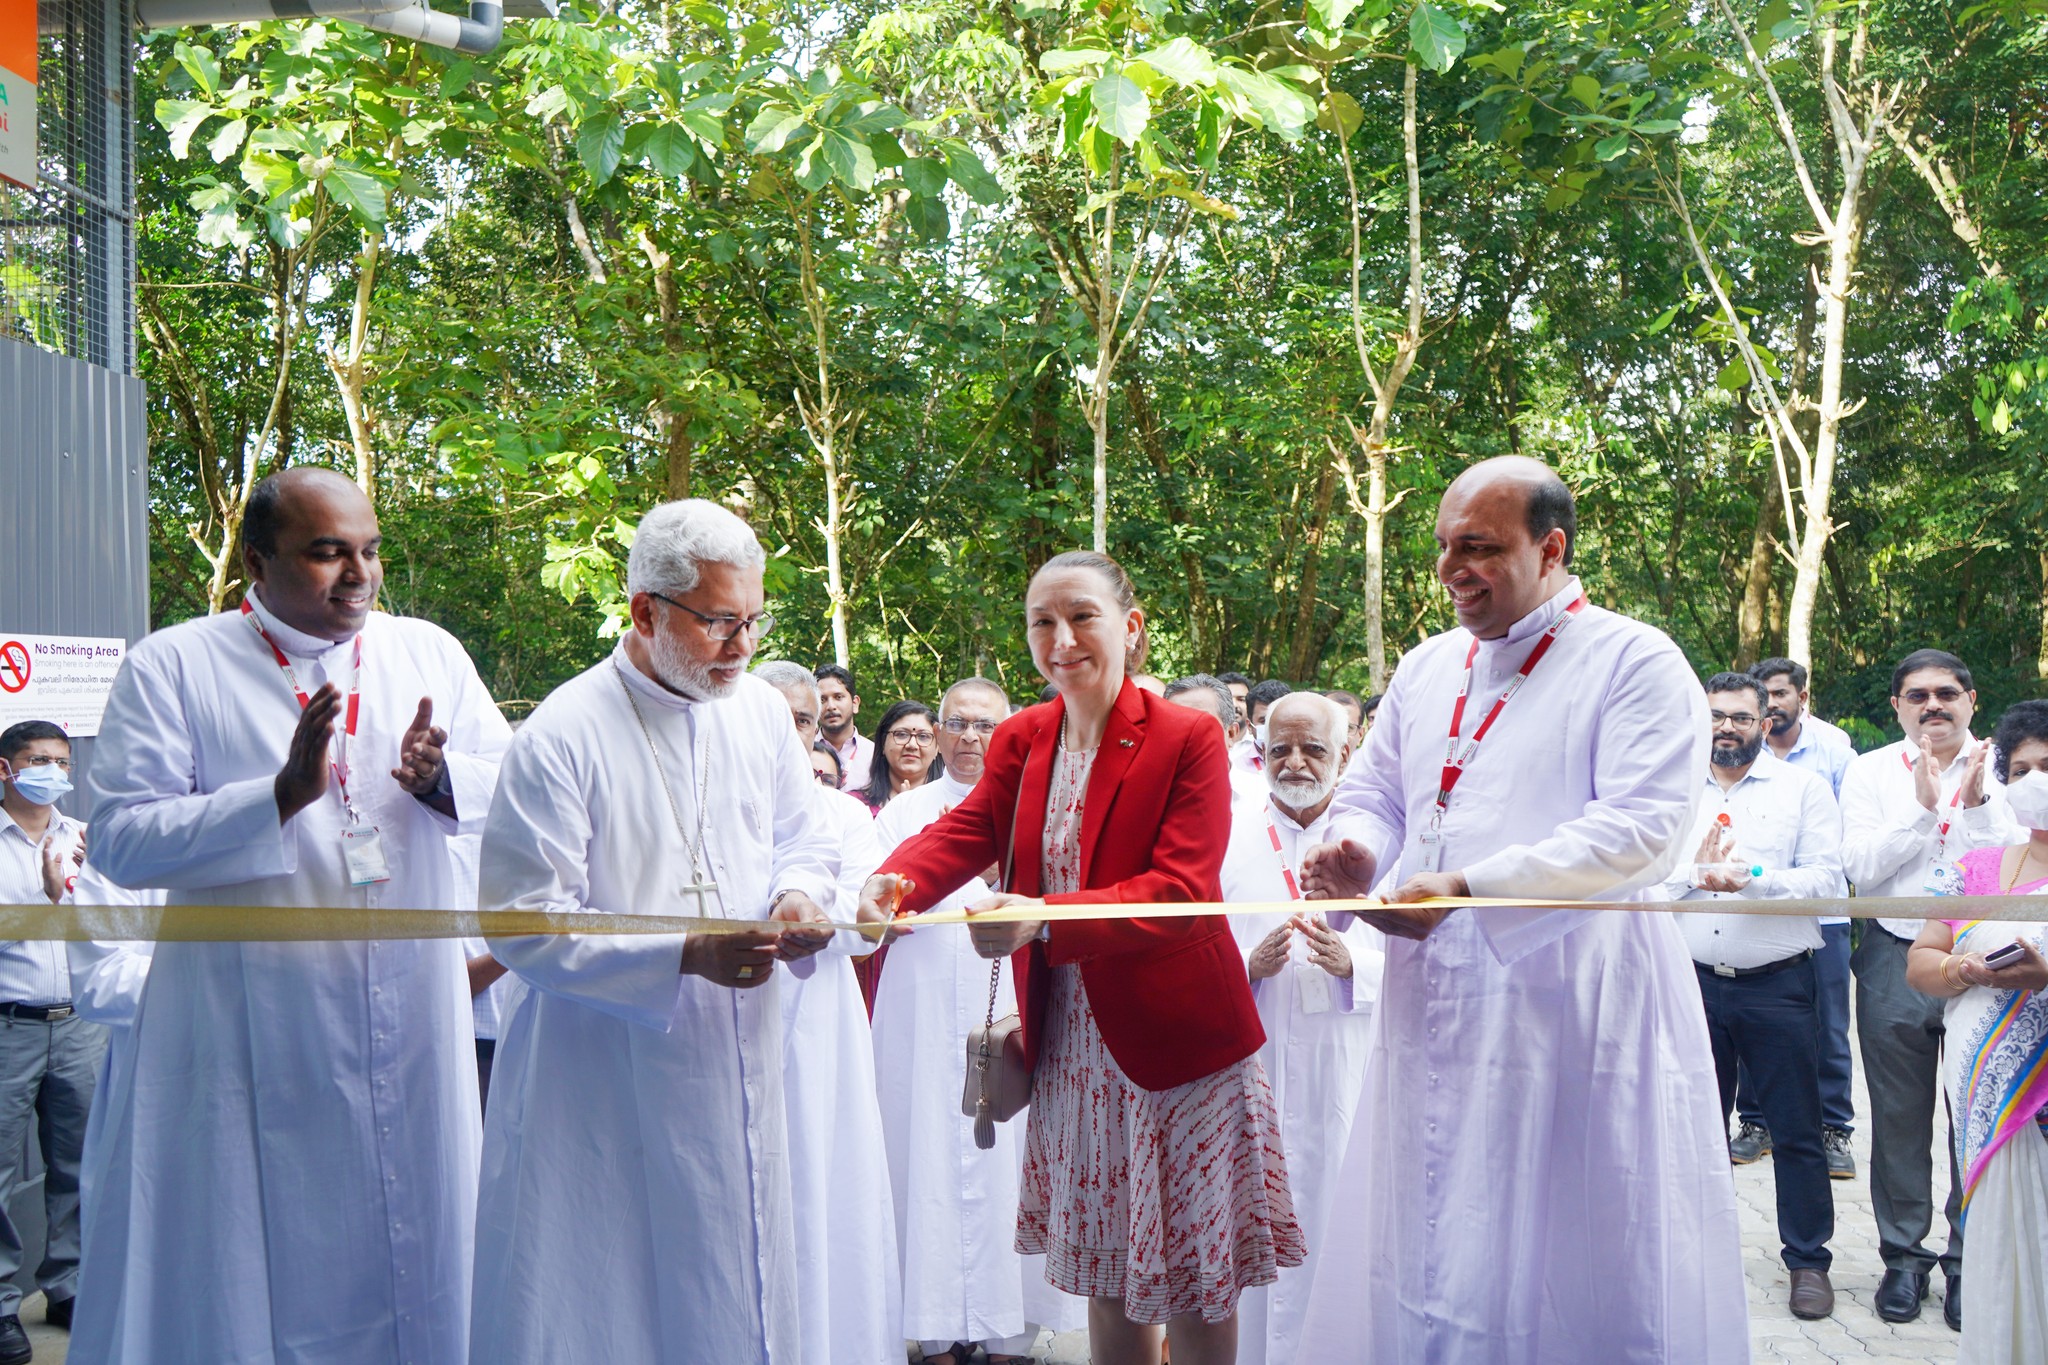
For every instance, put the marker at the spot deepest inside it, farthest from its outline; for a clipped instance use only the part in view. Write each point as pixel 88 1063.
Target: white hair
pixel 1328 716
pixel 987 685
pixel 677 537
pixel 785 676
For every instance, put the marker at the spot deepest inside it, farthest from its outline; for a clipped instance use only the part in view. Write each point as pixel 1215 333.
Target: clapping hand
pixel 56 876
pixel 1326 947
pixel 1271 955
pixel 1973 778
pixel 421 759
pixel 1926 782
pixel 303 778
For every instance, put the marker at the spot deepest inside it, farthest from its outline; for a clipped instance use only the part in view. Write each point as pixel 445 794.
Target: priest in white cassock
pixel 964 1285
pixel 1538 1171
pixel 636 1205
pixel 106 989
pixel 1315 986
pixel 845 1219
pixel 292 1176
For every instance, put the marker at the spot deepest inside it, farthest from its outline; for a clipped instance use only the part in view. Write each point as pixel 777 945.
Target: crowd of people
pixel 1392 1130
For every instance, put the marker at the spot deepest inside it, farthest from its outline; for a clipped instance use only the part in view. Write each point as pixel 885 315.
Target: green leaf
pixel 1436 39
pixel 1184 62
pixel 973 177
pixel 1331 14
pixel 1586 91
pixel 1654 126
pixel 1072 59
pixel 929 218
pixel 1208 134
pixel 669 150
pixel 227 140
pixel 1340 114
pixel 1271 103
pixel 1664 319
pixel 772 129
pixel 1608 148
pixel 852 163
pixel 1767 21
pixel 813 172
pixel 924 176
pixel 356 190
pixel 1121 109
pixel 199 65
pixel 1506 60
pixel 181 119
pixel 600 141
pixel 1733 375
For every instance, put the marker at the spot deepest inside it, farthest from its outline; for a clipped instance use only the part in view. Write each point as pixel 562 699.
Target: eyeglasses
pixel 923 739
pixel 1920 696
pixel 1741 720
pixel 956 726
pixel 723 628
pixel 41 761
pixel 825 776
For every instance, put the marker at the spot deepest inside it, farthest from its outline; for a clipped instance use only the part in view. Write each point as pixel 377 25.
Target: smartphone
pixel 2005 957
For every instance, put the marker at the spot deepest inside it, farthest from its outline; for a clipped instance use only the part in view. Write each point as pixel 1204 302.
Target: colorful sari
pixel 1996 1065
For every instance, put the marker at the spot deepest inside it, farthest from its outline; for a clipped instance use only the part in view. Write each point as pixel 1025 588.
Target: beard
pixel 1781 721
pixel 1302 792
pixel 682 674
pixel 1740 754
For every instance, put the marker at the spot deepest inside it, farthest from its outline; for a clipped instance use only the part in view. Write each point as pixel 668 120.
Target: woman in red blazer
pixel 1153 1182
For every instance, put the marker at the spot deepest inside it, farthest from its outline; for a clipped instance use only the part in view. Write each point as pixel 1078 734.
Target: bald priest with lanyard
pixel 1538 1171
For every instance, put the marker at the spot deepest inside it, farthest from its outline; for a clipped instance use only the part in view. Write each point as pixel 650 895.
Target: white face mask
pixel 2028 799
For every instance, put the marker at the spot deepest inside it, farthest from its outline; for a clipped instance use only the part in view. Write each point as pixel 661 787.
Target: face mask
pixel 42 784
pixel 1259 736
pixel 2028 799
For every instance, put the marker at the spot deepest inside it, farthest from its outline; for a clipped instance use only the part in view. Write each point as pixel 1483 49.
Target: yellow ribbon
pixel 319 924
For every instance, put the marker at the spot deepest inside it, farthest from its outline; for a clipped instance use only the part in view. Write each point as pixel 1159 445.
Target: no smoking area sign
pixel 63 679
pixel 15 668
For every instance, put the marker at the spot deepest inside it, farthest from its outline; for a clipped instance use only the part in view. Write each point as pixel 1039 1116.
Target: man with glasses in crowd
pixel 48 1055
pixel 1906 809
pixel 1767 830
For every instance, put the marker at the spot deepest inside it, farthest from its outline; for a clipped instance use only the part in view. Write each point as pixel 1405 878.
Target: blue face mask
pixel 42 784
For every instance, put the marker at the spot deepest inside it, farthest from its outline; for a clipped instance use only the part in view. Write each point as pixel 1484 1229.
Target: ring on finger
pixel 745 974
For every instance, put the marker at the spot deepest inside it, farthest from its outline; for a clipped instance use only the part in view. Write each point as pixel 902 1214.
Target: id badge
pixel 1431 849
pixel 1314 985
pixel 362 853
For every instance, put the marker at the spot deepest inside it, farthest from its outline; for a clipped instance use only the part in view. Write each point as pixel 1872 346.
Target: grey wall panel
pixel 74 501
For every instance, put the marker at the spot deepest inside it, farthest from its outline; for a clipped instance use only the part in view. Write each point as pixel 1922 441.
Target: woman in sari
pixel 1996 1061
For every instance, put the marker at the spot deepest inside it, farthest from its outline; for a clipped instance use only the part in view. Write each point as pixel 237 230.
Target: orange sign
pixel 18 91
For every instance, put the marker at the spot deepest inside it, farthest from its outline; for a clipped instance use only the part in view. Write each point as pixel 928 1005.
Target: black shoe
pixel 57 1312
pixel 1841 1161
pixel 14 1347
pixel 1751 1144
pixel 1952 1303
pixel 1899 1294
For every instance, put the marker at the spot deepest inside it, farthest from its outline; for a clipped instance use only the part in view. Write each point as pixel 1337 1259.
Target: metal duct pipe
pixel 477 34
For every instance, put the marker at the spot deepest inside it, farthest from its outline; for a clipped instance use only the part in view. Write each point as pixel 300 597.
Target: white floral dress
pixel 1171 1200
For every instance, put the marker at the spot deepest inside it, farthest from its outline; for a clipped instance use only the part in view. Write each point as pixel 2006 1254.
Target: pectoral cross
pixel 698 891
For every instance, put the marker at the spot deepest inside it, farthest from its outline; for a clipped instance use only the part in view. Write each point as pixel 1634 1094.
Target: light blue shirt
pixel 1821 748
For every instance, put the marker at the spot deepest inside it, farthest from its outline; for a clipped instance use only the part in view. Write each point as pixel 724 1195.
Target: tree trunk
pixel 1301 655
pixel 1814 534
pixel 1756 579
pixel 2041 654
pixel 351 378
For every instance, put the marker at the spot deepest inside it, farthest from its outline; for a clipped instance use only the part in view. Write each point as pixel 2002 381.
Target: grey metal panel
pixel 74 501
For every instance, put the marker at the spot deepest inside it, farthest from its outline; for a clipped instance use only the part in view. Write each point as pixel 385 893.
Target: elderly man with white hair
pixel 845 1218
pixel 1315 987
pixel 636 1206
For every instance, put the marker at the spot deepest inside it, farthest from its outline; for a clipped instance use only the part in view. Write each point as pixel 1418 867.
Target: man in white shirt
pixel 1207 692
pixel 956 1205
pixel 1767 831
pixel 1806 741
pixel 293 1176
pixel 838 708
pixel 1906 809
pixel 1315 987
pixel 636 1200
pixel 1258 699
pixel 1538 1173
pixel 48 1054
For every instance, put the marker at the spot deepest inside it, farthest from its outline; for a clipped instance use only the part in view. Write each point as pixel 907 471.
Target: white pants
pixel 2005 1308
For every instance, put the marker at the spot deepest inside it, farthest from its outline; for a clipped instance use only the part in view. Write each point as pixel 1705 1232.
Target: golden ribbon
pixel 320 924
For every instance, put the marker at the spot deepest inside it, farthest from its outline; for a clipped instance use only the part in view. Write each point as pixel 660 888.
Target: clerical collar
pixel 645 686
pixel 296 643
pixel 1537 621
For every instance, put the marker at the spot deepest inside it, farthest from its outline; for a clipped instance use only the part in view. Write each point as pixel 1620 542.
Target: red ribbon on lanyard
pixel 1455 762
pixel 1286 873
pixel 350 709
pixel 1941 832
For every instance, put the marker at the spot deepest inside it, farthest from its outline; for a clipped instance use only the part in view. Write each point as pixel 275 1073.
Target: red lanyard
pixel 1455 762
pixel 1286 872
pixel 350 709
pixel 1940 833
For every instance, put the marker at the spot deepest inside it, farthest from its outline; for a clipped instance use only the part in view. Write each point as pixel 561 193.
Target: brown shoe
pixel 1812 1295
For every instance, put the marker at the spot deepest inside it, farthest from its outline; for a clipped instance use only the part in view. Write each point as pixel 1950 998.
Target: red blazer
pixel 1170 995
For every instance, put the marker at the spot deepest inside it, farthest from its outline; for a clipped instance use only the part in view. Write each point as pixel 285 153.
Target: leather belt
pixel 1766 970
pixel 45 1014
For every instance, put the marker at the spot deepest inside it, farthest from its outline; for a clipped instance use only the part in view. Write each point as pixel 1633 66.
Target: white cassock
pixel 845 1220
pixel 1539 1170
pixel 956 1205
pixel 294 1177
pixel 636 1205
pixel 1318 1029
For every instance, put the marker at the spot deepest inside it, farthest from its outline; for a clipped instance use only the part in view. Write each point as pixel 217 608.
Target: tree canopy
pixel 931 291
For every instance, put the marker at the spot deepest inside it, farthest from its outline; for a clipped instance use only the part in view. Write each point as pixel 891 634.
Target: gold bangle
pixel 1955 983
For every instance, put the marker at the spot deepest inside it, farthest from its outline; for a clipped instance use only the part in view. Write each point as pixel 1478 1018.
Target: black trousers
pixel 1770 1026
